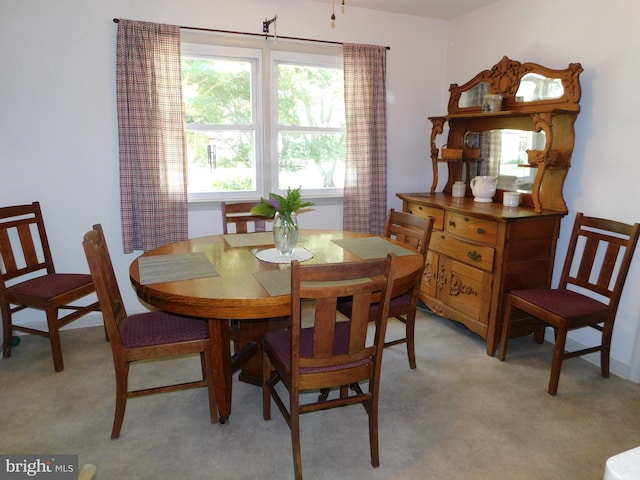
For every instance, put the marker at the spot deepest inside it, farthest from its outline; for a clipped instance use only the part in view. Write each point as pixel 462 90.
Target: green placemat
pixel 170 268
pixel 372 247
pixel 276 282
pixel 249 239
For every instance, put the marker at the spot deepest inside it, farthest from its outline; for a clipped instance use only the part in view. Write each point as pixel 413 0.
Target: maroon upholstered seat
pixel 594 273
pixel 330 354
pixel 50 285
pixel 565 303
pixel 281 347
pixel 157 328
pixel 28 279
pixel 144 336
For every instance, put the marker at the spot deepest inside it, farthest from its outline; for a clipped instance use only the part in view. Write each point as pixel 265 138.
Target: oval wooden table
pixel 237 291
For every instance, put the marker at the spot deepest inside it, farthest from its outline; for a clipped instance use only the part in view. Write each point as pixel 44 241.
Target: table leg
pixel 221 364
pixel 252 331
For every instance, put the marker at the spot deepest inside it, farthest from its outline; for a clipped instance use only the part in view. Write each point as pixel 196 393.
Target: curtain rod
pixel 265 35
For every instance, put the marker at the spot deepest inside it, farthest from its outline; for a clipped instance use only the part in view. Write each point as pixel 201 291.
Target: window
pixel 261 120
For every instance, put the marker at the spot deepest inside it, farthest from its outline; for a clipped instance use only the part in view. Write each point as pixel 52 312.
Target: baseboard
pixel 616 367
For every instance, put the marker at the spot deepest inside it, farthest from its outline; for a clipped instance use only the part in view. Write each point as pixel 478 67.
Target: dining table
pixel 242 278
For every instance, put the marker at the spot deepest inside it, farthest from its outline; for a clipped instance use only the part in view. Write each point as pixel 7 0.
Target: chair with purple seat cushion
pixel 415 232
pixel 594 273
pixel 28 279
pixel 146 336
pixel 330 354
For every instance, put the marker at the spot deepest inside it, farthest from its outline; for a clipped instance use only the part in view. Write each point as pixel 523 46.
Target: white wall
pixel 58 129
pixel 603 180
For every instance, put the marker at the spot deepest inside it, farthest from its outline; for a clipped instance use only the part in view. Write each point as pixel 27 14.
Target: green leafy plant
pixel 287 205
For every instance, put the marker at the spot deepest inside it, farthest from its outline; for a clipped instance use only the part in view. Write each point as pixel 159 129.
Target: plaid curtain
pixel 153 190
pixel 365 190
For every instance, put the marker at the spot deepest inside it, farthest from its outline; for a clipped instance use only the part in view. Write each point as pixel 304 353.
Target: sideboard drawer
pixel 479 256
pixel 478 229
pixel 426 212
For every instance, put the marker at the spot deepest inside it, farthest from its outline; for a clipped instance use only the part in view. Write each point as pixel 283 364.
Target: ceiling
pixel 441 9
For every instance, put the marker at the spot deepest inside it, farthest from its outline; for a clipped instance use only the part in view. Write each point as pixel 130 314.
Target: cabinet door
pixel 464 289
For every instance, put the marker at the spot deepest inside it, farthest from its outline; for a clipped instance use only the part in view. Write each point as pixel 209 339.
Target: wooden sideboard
pixel 480 251
pixel 477 253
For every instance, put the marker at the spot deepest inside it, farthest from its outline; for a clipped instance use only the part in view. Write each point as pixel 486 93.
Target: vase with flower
pixel 283 210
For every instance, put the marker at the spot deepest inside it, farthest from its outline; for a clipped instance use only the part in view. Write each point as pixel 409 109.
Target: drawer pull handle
pixel 475 256
pixel 480 231
pixel 452 223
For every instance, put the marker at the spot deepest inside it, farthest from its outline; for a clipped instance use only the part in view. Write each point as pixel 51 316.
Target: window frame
pixel 266 53
pixel 254 57
pixel 296 58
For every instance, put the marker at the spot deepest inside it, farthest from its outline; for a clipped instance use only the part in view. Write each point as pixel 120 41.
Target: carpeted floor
pixel 460 415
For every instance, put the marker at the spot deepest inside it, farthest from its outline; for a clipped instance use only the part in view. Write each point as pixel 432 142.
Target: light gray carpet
pixel 460 415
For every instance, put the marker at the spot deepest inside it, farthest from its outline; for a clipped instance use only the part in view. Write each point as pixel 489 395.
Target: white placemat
pixel 272 255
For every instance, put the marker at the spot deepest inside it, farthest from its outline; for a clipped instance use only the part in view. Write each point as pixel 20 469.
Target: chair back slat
pixel 324 323
pixel 608 266
pixel 7 258
pixel 588 257
pixel 360 317
pixel 24 247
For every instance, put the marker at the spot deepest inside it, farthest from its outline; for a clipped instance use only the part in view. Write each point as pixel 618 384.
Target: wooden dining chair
pixel 239 215
pixel 415 232
pixel 591 282
pixel 28 279
pixel 330 354
pixel 145 336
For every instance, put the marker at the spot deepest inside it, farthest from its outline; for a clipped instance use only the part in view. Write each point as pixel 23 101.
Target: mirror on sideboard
pixel 534 87
pixel 474 96
pixel 503 154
